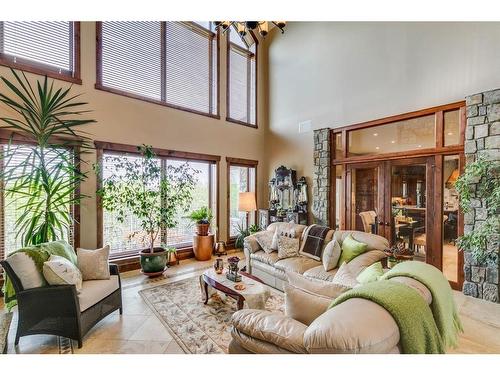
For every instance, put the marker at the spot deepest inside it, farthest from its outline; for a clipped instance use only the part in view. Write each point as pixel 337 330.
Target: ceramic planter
pixel 153 264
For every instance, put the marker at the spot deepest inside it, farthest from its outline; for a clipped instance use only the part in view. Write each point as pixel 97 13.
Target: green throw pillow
pixel 351 249
pixel 371 273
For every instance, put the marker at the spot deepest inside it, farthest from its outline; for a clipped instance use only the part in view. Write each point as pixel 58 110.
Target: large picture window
pixel 125 237
pixel 169 63
pixel 242 80
pixel 42 47
pixel 242 177
pixel 11 205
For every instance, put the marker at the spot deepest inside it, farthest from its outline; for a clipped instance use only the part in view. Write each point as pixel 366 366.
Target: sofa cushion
pixel 251 244
pixel 318 287
pixel 297 228
pixel 26 270
pixel 351 249
pixel 296 264
pixel 265 240
pixel 345 276
pixel 267 258
pixel 319 273
pixel 328 237
pixel 94 291
pixel 244 344
pixel 331 255
pixel 373 241
pixel 371 273
pixel 303 305
pixel 358 264
pixel 275 328
pixel 287 247
pixel 417 285
pixel 355 326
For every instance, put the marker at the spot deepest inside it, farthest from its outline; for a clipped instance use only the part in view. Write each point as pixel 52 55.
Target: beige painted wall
pixel 336 74
pixel 131 121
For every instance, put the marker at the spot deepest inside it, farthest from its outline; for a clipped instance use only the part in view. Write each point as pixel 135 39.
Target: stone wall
pixel 482 138
pixel 321 176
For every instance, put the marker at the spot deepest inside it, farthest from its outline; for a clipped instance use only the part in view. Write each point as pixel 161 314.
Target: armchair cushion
pixel 296 264
pixel 275 328
pixel 264 257
pixel 26 270
pixel 317 287
pixel 60 271
pixel 94 291
pixel 93 264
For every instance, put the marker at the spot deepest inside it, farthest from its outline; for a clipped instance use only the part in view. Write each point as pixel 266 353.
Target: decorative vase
pixel 232 273
pixel 219 265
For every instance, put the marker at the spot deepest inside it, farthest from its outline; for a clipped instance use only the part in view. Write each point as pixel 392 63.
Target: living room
pixel 172 186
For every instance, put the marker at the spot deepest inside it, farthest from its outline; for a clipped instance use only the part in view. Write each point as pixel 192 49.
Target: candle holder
pixel 232 273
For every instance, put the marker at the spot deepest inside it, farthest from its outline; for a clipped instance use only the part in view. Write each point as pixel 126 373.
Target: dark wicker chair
pixel 55 310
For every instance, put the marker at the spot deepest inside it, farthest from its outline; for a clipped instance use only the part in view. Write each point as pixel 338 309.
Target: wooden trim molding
pixel 34 67
pixel 120 147
pixel 163 102
pixel 242 162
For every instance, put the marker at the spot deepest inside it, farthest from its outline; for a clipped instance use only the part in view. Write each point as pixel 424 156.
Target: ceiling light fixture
pixel 243 27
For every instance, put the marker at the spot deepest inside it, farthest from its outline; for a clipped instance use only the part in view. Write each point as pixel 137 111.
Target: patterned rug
pixel 197 328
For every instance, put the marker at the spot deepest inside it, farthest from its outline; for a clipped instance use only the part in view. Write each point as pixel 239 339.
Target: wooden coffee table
pixel 219 282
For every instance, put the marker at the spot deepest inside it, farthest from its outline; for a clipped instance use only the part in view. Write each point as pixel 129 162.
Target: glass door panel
pixel 409 207
pixel 451 256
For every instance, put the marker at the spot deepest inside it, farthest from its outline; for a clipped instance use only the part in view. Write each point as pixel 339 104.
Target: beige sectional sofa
pixel 271 270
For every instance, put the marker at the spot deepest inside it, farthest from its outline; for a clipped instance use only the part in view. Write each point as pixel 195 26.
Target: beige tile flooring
pixel 138 330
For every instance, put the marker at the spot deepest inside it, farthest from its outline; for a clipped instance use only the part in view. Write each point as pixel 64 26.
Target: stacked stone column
pixel 482 139
pixel 321 176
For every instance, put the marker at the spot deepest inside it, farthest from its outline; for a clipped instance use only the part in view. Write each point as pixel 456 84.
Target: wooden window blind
pixel 42 47
pixel 11 206
pixel 242 81
pixel 169 63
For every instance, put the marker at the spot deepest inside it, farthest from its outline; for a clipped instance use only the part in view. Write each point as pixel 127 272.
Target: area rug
pixel 197 328
pixel 5 319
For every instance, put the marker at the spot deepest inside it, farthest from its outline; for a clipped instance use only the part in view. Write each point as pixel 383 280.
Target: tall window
pixel 242 80
pixel 126 237
pixel 42 47
pixel 11 206
pixel 242 177
pixel 169 63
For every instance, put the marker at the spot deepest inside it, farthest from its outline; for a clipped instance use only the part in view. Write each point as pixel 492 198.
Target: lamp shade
pixel 247 202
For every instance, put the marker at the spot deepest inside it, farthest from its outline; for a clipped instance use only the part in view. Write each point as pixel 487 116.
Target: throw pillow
pixel 351 249
pixel 345 277
pixel 93 264
pixel 283 229
pixel 287 247
pixel 265 240
pixel 371 273
pixel 331 255
pixel 323 288
pixel 60 271
pixel 304 306
pixel 60 248
pixel 26 270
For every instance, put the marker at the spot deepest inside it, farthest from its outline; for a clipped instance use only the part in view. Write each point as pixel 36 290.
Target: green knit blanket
pixel 443 305
pixel 417 329
pixel 40 254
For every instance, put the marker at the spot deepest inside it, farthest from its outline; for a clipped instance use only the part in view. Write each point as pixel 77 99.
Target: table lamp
pixel 247 202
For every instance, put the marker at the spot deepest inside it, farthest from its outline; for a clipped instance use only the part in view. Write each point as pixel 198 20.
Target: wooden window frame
pixel 185 250
pixel 7 137
pixel 99 85
pixel 237 162
pixel 46 70
pixel 228 77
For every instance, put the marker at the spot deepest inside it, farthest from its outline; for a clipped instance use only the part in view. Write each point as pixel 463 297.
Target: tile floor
pixel 138 330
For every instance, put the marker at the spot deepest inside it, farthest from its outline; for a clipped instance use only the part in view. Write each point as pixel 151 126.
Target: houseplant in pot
pixel 155 195
pixel 202 218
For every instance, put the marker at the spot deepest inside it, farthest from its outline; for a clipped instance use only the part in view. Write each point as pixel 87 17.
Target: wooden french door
pixel 406 196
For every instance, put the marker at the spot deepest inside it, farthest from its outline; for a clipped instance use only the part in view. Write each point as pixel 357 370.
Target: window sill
pixel 100 87
pixel 40 69
pixel 229 119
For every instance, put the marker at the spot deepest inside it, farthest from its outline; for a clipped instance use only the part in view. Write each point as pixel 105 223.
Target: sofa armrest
pixel 53 300
pixel 271 327
pixel 113 269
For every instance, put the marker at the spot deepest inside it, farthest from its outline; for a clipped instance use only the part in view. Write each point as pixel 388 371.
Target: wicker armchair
pixel 55 310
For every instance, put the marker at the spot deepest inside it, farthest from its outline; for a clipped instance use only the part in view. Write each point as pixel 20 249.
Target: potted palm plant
pixel 154 195
pixel 202 217
pixel 41 175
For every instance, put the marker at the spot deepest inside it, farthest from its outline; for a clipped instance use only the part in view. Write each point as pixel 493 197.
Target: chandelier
pixel 243 27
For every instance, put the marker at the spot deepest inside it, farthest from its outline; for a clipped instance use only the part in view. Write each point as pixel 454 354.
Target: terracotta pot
pixel 203 246
pixel 153 264
pixel 172 260
pixel 202 229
